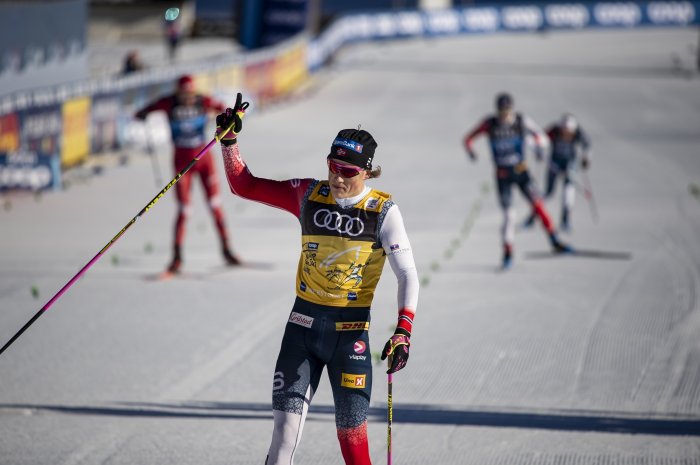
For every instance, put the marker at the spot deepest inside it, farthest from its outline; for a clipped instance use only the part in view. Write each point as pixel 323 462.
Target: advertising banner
pixel 215 18
pixel 104 115
pixel 41 129
pixel 9 133
pixel 259 79
pixel 30 171
pixel 75 144
pixel 36 163
pixel 228 79
pixel 501 17
pixel 282 19
pixel 290 69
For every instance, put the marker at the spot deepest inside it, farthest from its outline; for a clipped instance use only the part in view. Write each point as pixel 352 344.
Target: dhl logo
pixel 352 325
pixel 353 381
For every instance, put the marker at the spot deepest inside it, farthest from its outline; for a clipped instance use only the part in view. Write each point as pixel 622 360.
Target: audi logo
pixel 480 19
pixel 335 221
pixel 626 14
pixel 525 17
pixel 443 21
pixel 410 23
pixel 671 12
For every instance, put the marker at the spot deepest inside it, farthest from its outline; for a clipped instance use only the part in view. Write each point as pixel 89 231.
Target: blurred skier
pixel 187 112
pixel 568 139
pixel 507 132
pixel 347 231
pixel 173 35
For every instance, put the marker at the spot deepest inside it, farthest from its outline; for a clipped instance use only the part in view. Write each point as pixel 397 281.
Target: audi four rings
pixel 335 221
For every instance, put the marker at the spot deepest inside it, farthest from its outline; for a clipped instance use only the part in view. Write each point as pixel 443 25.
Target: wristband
pixel 405 323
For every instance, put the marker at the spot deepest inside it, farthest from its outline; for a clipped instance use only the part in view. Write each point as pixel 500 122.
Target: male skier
pixel 507 132
pixel 188 112
pixel 568 139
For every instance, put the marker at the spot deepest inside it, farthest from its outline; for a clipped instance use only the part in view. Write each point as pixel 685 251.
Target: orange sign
pixel 9 133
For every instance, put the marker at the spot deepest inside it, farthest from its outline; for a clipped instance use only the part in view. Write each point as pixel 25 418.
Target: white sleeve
pixel 398 249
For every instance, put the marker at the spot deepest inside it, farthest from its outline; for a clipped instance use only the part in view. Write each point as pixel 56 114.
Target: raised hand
pixel 230 123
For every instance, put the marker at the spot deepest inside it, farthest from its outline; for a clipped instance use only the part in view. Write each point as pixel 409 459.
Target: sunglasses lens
pixel 344 171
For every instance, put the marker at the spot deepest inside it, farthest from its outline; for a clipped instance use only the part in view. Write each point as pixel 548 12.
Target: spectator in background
pixel 187 112
pixel 132 62
pixel 173 34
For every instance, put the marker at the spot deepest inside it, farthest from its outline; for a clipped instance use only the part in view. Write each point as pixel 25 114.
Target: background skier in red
pixel 188 114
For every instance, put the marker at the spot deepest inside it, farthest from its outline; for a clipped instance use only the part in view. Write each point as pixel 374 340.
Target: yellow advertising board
pixel 229 78
pixel 290 69
pixel 75 143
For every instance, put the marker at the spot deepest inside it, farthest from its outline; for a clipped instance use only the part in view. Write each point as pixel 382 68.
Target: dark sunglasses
pixel 345 171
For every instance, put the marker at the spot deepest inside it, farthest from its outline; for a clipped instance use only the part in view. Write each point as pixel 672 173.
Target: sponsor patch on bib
pixel 301 320
pixel 353 381
pixel 351 325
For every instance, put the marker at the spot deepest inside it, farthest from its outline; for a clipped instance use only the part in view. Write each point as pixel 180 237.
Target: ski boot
pixel 174 266
pixel 507 257
pixel 230 259
pixel 558 246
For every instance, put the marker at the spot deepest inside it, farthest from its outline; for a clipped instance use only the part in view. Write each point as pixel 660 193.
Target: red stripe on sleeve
pixel 286 195
pixel 483 127
pixel 406 320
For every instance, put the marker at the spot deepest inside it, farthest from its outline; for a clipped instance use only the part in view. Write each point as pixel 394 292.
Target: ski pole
pixel 592 202
pixel 152 153
pixel 82 271
pixel 588 195
pixel 390 411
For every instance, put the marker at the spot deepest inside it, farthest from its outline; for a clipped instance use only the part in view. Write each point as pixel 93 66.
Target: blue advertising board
pixel 35 163
pixel 283 19
pixel 502 17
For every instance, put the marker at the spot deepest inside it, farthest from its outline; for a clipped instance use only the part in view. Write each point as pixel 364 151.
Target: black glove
pixel 585 163
pixel 231 117
pixel 396 348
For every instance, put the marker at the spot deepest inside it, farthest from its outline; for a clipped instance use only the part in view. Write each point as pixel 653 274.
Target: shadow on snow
pixel 566 420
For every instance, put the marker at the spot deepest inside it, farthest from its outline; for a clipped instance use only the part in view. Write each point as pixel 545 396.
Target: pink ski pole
pixel 119 234
pixel 390 410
